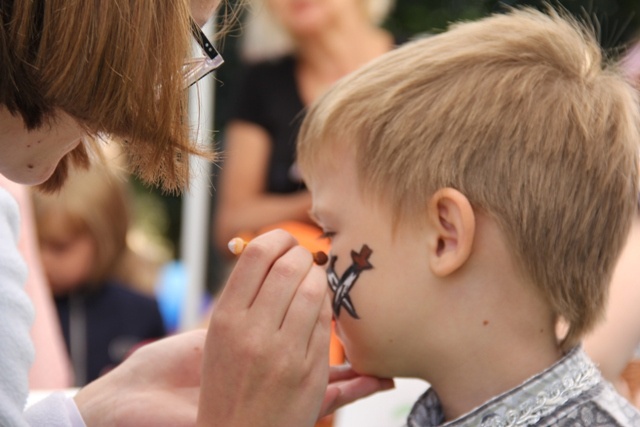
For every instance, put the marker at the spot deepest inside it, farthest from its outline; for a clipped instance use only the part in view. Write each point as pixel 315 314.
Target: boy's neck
pixel 500 330
pixel 482 372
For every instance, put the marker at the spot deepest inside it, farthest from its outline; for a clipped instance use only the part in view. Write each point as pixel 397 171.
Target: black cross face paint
pixel 341 287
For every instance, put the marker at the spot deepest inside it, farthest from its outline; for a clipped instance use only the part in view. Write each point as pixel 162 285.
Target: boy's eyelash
pixel 327 234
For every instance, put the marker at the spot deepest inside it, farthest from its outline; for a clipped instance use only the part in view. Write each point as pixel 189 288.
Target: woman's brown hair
pixel 115 66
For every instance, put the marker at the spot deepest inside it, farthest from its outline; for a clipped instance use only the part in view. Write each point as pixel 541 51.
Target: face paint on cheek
pixel 342 286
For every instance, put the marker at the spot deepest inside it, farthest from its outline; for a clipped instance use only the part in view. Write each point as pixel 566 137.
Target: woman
pixel 296 51
pixel 72 69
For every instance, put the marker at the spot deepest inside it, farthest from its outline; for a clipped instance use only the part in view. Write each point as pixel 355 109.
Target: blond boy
pixel 478 187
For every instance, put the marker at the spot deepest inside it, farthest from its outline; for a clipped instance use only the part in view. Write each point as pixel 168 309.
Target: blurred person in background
pixel 293 52
pixel 82 231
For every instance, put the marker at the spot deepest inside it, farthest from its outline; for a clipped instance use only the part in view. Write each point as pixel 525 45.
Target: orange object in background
pixel 308 235
pixel 631 375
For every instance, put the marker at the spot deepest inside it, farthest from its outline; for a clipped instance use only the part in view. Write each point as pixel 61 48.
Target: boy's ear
pixel 453 225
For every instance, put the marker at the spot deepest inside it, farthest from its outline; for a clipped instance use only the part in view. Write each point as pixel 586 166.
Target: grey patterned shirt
pixel 570 393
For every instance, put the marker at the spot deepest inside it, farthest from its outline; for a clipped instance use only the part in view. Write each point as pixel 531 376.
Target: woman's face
pixel 305 17
pixel 30 157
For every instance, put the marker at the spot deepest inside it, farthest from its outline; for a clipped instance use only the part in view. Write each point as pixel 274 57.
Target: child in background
pixel 478 186
pixel 82 232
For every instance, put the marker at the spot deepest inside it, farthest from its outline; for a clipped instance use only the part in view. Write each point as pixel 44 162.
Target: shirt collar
pixel 524 405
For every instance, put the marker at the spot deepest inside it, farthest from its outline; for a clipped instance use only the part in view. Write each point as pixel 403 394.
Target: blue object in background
pixel 170 293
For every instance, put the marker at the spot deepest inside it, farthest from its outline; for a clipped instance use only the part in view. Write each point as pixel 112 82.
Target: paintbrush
pixel 237 245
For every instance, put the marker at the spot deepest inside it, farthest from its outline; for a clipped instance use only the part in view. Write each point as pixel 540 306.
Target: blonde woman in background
pixel 294 50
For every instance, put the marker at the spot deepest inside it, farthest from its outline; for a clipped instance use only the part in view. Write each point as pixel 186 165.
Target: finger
pixel 328 403
pixel 350 391
pixel 280 287
pixel 252 268
pixel 178 358
pixel 342 372
pixel 310 302
pixel 318 348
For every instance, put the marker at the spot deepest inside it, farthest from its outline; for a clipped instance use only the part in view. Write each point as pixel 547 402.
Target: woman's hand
pixel 346 386
pixel 157 386
pixel 266 356
pixel 264 361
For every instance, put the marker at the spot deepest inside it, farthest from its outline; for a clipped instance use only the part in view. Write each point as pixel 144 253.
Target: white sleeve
pixel 56 410
pixel 16 316
pixel 16 349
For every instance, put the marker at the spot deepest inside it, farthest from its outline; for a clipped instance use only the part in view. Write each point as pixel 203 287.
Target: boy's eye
pixel 327 235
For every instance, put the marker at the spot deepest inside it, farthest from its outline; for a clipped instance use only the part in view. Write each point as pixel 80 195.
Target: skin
pixel 306 17
pixel 333 38
pixel 68 255
pixel 452 276
pixel 162 383
pixel 31 157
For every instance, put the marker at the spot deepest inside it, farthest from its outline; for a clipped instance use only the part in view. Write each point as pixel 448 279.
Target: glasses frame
pixel 195 69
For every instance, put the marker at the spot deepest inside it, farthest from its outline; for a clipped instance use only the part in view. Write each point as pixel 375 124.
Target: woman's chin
pixel 29 175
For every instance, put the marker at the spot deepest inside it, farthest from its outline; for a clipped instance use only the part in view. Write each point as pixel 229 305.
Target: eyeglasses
pixel 195 69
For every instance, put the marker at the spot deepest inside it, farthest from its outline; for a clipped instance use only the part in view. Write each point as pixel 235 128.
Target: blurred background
pixel 158 217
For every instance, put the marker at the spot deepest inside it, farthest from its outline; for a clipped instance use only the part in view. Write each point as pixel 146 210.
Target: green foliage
pixel 616 21
pixel 412 17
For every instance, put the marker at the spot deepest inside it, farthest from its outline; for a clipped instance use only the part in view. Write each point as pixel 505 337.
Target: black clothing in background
pixel 114 319
pixel 269 98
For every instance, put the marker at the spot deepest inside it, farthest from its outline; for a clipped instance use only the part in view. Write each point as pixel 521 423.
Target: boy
pixel 478 187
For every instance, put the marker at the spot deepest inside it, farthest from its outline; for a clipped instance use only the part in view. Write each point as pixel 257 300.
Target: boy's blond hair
pixel 517 112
